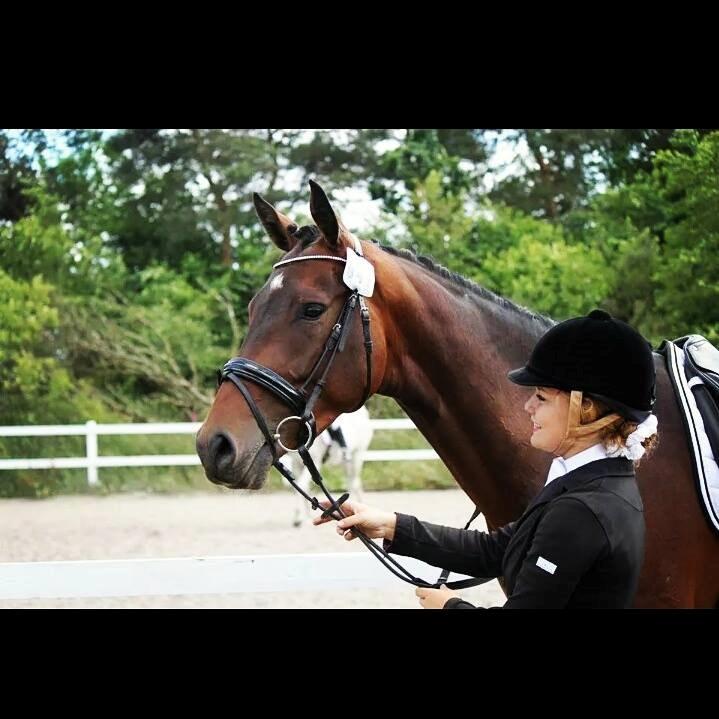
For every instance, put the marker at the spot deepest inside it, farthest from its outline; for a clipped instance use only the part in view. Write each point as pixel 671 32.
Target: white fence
pixel 202 575
pixel 93 460
pixel 187 575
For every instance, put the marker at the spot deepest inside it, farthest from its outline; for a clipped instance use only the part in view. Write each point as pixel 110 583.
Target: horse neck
pixel 449 349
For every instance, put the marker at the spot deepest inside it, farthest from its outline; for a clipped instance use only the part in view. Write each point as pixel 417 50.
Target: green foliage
pixel 687 277
pixel 436 221
pixel 660 236
pixel 27 323
pixel 554 278
pixel 128 258
pixel 518 256
pixel 163 346
pixel 554 173
pixel 421 154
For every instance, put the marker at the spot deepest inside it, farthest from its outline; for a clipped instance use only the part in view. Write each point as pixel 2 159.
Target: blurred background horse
pixel 343 443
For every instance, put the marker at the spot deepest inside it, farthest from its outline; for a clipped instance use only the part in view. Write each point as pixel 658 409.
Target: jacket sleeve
pixel 465 551
pixel 568 541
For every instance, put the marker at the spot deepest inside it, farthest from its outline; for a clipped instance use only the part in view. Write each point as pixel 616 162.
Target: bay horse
pixel 441 347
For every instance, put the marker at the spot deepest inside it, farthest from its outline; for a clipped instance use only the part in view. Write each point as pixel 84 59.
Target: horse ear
pixel 322 213
pixel 278 226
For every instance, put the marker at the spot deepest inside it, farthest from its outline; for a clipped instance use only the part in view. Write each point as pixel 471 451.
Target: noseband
pixel 302 404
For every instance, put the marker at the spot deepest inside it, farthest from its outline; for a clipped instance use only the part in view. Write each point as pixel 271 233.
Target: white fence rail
pixel 202 575
pixel 92 460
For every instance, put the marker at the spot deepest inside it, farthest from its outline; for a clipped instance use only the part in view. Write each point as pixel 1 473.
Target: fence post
pixel 91 451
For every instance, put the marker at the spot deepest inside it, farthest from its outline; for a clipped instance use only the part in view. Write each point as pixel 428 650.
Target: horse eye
pixel 312 310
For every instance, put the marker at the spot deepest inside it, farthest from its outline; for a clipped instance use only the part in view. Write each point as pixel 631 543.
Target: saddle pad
pixel 706 470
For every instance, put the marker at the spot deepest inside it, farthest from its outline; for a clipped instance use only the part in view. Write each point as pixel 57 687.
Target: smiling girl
pixel 580 542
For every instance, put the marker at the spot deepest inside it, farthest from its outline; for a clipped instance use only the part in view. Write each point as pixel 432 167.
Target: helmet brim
pixel 528 377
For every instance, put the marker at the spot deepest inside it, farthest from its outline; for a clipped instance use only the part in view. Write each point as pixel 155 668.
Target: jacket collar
pixel 611 466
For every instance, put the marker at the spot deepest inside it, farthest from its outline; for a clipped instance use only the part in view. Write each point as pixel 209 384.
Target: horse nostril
pixel 222 451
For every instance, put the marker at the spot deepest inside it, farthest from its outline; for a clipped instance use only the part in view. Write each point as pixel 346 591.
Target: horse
pixel 441 346
pixel 356 431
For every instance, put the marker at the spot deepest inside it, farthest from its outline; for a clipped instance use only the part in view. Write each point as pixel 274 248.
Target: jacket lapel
pixel 579 476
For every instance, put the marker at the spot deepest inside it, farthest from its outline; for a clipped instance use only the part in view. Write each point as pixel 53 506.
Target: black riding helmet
pixel 598 355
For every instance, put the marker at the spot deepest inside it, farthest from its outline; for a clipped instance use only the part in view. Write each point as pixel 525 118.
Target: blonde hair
pixel 615 435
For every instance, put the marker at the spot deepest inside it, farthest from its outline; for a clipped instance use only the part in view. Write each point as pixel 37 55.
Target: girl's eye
pixel 539 397
pixel 312 310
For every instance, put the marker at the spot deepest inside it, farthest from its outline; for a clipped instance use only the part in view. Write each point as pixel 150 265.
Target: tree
pixel 438 224
pixel 659 235
pixel 520 257
pixel 687 277
pixel 455 155
pixel 558 171
pixel 188 190
pixel 153 352
pixel 16 175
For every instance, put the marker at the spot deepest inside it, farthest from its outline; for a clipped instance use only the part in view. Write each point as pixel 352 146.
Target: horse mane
pixel 460 282
pixel 307 234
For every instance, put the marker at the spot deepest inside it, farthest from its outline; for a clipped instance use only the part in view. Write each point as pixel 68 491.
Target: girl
pixel 580 542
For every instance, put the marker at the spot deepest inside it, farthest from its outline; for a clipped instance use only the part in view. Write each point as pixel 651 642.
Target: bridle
pixel 300 401
pixel 302 404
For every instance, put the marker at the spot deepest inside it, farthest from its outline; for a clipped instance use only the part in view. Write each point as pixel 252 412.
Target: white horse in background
pixel 355 431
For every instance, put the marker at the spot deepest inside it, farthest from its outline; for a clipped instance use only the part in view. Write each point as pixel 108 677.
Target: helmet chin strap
pixel 575 429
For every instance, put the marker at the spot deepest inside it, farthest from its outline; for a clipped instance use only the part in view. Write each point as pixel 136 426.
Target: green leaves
pixel 26 317
pixel 687 277
pixel 127 259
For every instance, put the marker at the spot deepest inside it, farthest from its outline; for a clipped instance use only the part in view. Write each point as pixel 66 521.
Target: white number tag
pixel 358 274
